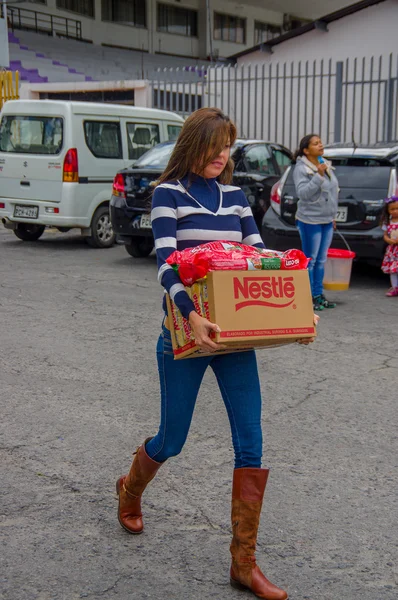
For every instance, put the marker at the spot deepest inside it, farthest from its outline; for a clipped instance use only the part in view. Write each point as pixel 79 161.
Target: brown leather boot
pixel 130 488
pixel 247 498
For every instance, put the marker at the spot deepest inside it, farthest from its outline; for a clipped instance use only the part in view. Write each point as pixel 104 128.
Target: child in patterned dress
pixel 389 224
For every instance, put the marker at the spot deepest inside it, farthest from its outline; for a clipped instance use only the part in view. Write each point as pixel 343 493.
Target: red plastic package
pixel 294 259
pixel 194 263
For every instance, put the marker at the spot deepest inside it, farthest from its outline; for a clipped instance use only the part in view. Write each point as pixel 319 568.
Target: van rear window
pixel 31 135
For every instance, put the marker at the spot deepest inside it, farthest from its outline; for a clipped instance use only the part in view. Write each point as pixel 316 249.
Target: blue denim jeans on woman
pixel 315 242
pixel 237 377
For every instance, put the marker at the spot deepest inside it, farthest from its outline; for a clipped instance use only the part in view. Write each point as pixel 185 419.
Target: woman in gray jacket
pixel 317 189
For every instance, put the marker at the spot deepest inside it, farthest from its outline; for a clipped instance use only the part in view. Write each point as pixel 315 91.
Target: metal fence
pixel 40 22
pixel 351 100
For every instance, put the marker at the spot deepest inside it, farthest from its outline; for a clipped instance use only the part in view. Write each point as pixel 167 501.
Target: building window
pixel 229 29
pixel 127 12
pixel 180 21
pixel 111 96
pixel 83 7
pixel 263 32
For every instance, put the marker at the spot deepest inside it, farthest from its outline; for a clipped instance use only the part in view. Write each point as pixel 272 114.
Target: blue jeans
pixel 315 241
pixel 180 380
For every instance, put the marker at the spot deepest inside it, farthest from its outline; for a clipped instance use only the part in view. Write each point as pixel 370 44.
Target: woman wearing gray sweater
pixel 317 189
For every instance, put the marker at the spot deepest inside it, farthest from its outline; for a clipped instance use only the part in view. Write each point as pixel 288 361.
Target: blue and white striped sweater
pixel 184 218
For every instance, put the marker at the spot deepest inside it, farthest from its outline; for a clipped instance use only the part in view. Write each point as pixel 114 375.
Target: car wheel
pixel 28 232
pixel 139 247
pixel 102 234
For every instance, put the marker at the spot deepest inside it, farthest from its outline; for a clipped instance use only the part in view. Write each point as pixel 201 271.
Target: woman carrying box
pixel 194 203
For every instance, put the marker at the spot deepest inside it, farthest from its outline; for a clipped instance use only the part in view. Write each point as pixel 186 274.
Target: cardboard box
pixel 253 310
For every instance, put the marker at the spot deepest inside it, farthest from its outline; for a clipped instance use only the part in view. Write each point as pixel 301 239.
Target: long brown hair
pixel 204 135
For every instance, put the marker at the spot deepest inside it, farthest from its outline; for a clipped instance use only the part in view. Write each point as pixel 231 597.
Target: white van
pixel 58 160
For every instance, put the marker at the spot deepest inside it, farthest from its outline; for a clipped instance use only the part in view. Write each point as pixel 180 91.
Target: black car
pixel 366 176
pixel 258 166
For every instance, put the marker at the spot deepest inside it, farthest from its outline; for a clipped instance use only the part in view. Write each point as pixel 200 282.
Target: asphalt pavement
pixel 79 391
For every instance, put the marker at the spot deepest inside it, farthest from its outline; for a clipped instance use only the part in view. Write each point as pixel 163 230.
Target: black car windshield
pixel 156 158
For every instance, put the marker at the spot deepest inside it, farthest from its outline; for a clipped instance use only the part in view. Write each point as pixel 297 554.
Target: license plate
pixel 26 212
pixel 342 214
pixel 145 222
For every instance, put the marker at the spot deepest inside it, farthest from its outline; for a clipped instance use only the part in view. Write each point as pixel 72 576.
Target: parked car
pixel 258 165
pixel 366 175
pixel 58 160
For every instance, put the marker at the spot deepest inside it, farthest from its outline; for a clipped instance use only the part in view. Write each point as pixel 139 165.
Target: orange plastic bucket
pixel 338 269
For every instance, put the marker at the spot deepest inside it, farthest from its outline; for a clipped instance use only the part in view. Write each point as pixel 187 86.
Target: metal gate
pixel 343 101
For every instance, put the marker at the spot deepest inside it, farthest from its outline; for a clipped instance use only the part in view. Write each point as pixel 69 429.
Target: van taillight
pixel 71 167
pixel 118 186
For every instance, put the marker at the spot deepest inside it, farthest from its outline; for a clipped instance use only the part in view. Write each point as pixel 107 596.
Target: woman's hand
pixel 201 329
pixel 306 341
pixel 322 168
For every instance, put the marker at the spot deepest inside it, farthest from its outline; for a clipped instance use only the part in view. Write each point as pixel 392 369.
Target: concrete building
pixel 196 29
pixel 363 30
pixel 336 75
